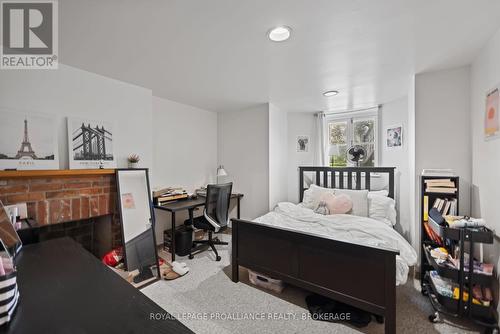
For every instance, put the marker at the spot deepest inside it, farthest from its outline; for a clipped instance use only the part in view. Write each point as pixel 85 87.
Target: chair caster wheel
pixel 217 258
pixel 190 256
pixel 434 317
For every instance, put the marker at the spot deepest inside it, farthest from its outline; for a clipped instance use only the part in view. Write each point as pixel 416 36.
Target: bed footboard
pixel 361 276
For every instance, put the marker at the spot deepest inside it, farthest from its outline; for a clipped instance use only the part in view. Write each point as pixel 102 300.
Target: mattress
pixel 348 228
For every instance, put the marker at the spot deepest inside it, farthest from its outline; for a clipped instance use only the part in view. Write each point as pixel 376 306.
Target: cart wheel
pixel 217 258
pixel 424 292
pixel 379 319
pixel 190 256
pixel 434 317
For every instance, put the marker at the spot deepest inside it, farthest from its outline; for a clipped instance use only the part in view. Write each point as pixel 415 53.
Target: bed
pixel 361 275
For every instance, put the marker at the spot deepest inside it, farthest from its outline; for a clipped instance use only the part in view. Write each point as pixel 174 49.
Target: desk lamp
pixel 220 172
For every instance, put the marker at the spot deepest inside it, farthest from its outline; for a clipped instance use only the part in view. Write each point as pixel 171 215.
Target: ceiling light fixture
pixel 279 34
pixel 330 93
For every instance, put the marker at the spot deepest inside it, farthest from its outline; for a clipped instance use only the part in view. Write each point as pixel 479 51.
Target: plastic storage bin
pixel 266 282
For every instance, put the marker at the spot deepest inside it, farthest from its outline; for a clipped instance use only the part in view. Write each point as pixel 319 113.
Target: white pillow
pixel 382 208
pixel 312 196
pixel 359 200
pixel 379 192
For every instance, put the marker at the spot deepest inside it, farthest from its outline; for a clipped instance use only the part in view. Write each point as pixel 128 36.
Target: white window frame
pixel 350 117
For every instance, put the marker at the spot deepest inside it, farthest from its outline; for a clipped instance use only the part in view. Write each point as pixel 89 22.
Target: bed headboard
pixel 357 178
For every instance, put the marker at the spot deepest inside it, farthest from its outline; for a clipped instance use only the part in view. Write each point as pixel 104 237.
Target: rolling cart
pixel 465 277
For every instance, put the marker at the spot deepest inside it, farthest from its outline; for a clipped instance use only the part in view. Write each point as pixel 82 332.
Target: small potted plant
pixel 133 161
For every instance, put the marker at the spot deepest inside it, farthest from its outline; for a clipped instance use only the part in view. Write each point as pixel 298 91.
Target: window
pixel 344 132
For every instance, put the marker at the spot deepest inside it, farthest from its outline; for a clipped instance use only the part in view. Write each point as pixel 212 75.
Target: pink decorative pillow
pixel 337 204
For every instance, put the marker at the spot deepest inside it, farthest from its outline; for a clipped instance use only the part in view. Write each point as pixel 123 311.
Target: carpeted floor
pixel 207 301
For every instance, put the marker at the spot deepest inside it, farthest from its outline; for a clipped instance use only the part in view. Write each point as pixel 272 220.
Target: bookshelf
pixel 431 198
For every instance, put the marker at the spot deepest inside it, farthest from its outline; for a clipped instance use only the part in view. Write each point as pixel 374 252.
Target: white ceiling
pixel 214 54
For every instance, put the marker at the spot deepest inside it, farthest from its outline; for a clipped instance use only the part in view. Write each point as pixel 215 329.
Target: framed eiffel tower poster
pixel 28 141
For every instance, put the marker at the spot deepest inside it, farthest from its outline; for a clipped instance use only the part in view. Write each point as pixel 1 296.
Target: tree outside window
pixel 346 132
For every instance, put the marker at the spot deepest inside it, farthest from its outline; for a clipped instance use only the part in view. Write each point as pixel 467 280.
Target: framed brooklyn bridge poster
pixel 90 144
pixel 28 141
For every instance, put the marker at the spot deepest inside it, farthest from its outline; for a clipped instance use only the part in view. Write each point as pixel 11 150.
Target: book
pixel 446 207
pixel 438 172
pixel 453 207
pixel 426 208
pixel 441 184
pixel 441 205
pixel 441 190
pixel 437 180
pixel 164 199
pixel 166 191
pixel 432 235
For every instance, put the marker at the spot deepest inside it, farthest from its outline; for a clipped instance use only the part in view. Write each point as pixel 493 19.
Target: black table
pixel 65 289
pixel 190 205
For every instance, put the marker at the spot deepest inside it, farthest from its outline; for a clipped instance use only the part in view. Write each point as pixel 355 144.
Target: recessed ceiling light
pixel 279 34
pixel 330 93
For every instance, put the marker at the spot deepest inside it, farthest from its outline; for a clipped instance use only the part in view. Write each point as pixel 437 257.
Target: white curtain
pixel 320 153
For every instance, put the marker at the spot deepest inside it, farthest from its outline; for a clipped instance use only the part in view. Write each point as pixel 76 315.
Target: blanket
pixel 353 229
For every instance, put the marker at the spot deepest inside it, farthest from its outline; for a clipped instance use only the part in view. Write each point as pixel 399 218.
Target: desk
pixel 189 205
pixel 65 289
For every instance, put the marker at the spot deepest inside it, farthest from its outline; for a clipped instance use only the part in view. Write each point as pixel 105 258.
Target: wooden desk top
pixel 186 204
pixel 65 289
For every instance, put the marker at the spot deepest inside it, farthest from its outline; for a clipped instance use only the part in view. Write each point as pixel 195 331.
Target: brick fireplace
pixel 73 198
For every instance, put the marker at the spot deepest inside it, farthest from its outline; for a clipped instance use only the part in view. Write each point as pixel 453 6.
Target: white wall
pixel 396 113
pixel 410 136
pixel 485 75
pixel 278 156
pixel 299 124
pixel 184 150
pixel 185 145
pixel 177 142
pixel 243 149
pixel 69 91
pixel 442 123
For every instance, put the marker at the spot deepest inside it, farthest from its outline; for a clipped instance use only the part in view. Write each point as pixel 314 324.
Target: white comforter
pixel 353 229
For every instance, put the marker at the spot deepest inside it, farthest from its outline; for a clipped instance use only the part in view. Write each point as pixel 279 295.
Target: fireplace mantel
pixel 54 173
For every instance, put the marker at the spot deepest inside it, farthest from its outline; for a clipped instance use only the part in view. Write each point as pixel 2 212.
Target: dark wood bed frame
pixel 361 276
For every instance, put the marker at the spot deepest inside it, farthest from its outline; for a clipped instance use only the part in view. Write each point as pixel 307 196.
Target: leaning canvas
pixel 28 141
pixel 90 144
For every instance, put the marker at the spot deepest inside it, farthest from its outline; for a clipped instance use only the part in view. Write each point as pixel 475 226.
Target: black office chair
pixel 215 216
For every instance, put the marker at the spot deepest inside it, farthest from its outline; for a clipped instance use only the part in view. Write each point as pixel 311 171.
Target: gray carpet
pixel 205 298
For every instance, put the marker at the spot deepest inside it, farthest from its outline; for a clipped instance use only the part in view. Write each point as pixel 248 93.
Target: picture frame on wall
pixel 394 136
pixel 28 141
pixel 90 144
pixel 303 143
pixel 491 117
